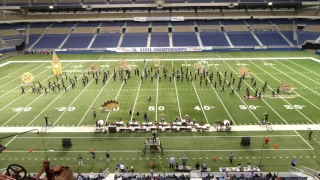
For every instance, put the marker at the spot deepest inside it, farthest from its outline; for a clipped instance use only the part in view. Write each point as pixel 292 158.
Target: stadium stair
pixel 283 36
pixel 149 40
pixel 69 33
pixel 226 35
pixel 295 34
pixel 42 34
pixel 94 37
pixel 250 28
pixel 170 40
pixel 198 35
pixel 27 33
pixel 121 37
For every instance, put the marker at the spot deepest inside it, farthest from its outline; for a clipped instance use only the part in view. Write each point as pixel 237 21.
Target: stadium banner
pixel 159 49
pixel 58 50
pixel 173 18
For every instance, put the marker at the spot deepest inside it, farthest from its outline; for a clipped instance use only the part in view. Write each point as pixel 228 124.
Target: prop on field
pixel 285 87
pixel 56 64
pixel 201 66
pixel 56 172
pixel 14 172
pixel 157 62
pixel 93 67
pixel 244 71
pixel 27 78
pixel 110 105
pixel 123 64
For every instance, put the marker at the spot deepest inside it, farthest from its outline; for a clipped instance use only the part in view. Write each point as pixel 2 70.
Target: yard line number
pixel 287 106
pixel 24 109
pixel 152 108
pixel 207 108
pixel 252 107
pixel 66 108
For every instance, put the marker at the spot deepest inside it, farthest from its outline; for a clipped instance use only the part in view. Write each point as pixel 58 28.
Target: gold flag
pixel 56 64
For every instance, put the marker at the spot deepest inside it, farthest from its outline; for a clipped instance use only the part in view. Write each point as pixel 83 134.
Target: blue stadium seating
pixel 242 39
pixel 289 36
pixel 135 23
pixel 159 40
pixel 174 1
pixel 232 22
pixel 13 37
pixel 224 1
pixel 39 25
pixel 88 24
pixel 134 40
pixel 65 24
pixel 107 40
pixel 144 2
pixel 17 4
pixel 116 23
pixel 252 1
pixel 12 26
pixel 121 2
pixel 213 39
pixel 78 41
pixel 204 22
pixel 182 23
pixel 271 38
pixel 304 36
pixel 180 39
pixel 69 4
pixel 308 22
pixel 253 21
pixel 281 21
pixel 89 3
pixel 50 41
pixel 32 39
pixel 199 1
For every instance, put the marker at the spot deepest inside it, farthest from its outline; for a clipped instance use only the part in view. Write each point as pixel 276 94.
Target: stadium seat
pixel 242 39
pixel 213 39
pixel 78 41
pixel 134 40
pixel 107 40
pixel 271 39
pixel 181 39
pixel 159 40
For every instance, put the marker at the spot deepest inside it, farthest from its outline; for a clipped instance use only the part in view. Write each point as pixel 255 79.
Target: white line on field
pixel 17 70
pixel 73 100
pixel 117 96
pixel 20 85
pixel 27 91
pixel 175 85
pixel 303 139
pixel 162 137
pixel 303 67
pixel 245 104
pixel 234 123
pixel 282 98
pixel 20 76
pixel 11 140
pixel 195 90
pixel 261 98
pixel 135 101
pixel 156 119
pixel 50 103
pixel 110 77
pixel 297 72
pixel 295 80
pixel 4 64
pixel 173 150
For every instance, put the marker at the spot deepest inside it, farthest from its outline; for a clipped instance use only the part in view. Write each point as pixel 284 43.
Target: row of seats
pixel 79 2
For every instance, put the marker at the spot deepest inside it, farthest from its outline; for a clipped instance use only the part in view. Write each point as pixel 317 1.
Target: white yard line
pixel 73 100
pixel 26 91
pixel 110 77
pixel 293 91
pixel 294 80
pixel 161 137
pixel 117 97
pixel 303 67
pixel 282 98
pixel 135 101
pixel 157 97
pixel 182 59
pixel 195 90
pixel 244 103
pixel 261 98
pixel 16 70
pixel 11 140
pixel 167 150
pixel 49 104
pixel 175 85
pixel 20 85
pixel 233 122
pixel 297 72
pixel 4 64
pixel 303 139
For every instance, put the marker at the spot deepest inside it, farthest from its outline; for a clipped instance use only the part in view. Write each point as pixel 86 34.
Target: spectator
pixel 197 166
pixel 204 166
pixel 171 162
pixel 122 167
pixel 131 169
pixel 269 175
pixel 91 176
pixel 231 157
pixel 184 160
pixel 107 157
pixel 293 162
pixel 117 166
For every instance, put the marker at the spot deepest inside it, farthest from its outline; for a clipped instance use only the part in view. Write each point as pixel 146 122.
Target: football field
pixel 202 101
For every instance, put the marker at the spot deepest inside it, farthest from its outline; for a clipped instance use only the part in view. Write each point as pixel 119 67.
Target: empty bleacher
pixel 120 2
pixel 183 29
pixel 17 3
pixel 43 2
pixel 174 1
pixel 15 16
pixel 78 41
pixel 145 1
pixel 85 15
pixel 159 13
pixel 242 39
pixel 134 40
pixel 160 29
pixel 32 39
pixel 307 12
pixel 180 39
pixel 69 2
pixel 209 13
pixel 284 12
pixel 106 40
pixel 312 28
pixel 235 13
pixel 260 12
pixel 60 16
pixel 50 41
pixel 305 36
pixel 185 13
pixel 83 30
pixel 289 36
pixel 94 2
pixel 271 38
pixel 209 28
pixel 159 40
pixel 213 39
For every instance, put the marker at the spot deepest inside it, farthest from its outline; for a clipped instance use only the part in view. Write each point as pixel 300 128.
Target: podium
pixel 245 141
